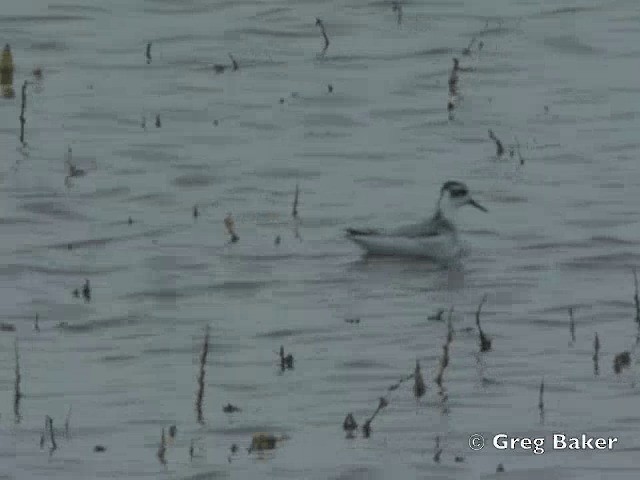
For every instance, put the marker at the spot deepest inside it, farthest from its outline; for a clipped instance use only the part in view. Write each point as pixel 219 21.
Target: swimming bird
pixel 436 237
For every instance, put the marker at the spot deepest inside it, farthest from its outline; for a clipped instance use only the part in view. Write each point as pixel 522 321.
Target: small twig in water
pixel 499 146
pixel 230 225
pixel 23 106
pixel 396 7
pixel 636 301
pixel 485 342
pixel 296 197
pixel 52 437
pixel 596 355
pixel 419 388
pixel 320 24
pixel 201 374
pixel 148 53
pixel 162 449
pixel 366 428
pixel 541 402
pixel 67 422
pixel 17 394
pixel 572 327
pixel 437 450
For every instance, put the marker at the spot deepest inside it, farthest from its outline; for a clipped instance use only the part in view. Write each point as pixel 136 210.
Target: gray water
pixel 562 231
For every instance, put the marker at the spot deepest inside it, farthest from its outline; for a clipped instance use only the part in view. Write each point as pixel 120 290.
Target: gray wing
pixel 437 225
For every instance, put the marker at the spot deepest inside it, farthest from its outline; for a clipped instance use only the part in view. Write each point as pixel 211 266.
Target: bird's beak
pixel 477 205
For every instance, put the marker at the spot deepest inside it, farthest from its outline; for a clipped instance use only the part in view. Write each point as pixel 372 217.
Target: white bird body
pixel 435 238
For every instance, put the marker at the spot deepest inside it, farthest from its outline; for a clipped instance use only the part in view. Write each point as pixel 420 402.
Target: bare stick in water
pixel 201 374
pixel 366 428
pixel 294 211
pixel 596 355
pixel 67 422
pixel 541 402
pixel 419 388
pixel 148 53
pixel 23 106
pixel 162 449
pixel 52 437
pixel 396 7
pixel 572 327
pixel 17 394
pixel 320 24
pixel 485 342
pixel 636 301
pixel 499 146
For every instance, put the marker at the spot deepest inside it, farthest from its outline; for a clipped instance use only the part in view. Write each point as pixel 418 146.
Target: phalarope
pixel 435 237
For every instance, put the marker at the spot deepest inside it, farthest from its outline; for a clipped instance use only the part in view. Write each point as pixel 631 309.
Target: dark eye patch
pixel 458 193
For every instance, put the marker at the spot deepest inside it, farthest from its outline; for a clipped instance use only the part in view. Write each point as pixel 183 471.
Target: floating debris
pixel 320 24
pixel 286 361
pixel 148 53
pixel 201 375
pixel 621 361
pixel 264 441
pixel 349 425
pixel 228 408
pixel 499 146
pixel 6 73
pixel 230 225
pixel 86 291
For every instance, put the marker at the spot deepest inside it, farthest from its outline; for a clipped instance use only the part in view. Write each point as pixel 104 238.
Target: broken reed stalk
pixel 572 327
pixel 366 428
pixel 419 388
pixel 23 106
pixel 541 402
pixel 17 394
pixel 201 374
pixel 596 355
pixel 320 24
pixel 162 449
pixel 52 437
pixel 396 7
pixel 499 146
pixel 636 301
pixel 485 342
pixel 437 451
pixel 444 362
pixel 294 211
pixel 67 422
